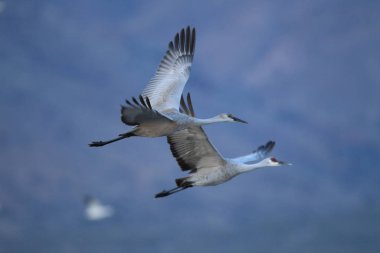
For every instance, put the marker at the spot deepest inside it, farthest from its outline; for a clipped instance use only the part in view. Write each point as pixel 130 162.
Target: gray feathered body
pixel 211 176
pixel 151 123
pixel 169 123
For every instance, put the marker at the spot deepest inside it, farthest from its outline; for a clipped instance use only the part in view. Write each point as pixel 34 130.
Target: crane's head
pixel 230 118
pixel 272 161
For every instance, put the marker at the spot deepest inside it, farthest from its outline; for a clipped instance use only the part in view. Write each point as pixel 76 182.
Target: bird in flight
pixel 156 111
pixel 95 210
pixel 195 153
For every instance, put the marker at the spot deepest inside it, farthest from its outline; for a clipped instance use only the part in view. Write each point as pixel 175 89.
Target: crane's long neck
pixel 247 158
pixel 212 120
pixel 242 167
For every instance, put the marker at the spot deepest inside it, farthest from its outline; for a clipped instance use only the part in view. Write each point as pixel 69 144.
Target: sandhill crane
pixel 196 154
pixel 94 210
pixel 156 112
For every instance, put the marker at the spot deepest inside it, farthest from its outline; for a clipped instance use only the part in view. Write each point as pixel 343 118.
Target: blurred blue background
pixel 303 73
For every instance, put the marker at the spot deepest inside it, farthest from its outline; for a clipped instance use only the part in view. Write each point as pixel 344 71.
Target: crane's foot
pixel 97 144
pixel 162 194
pixel 169 192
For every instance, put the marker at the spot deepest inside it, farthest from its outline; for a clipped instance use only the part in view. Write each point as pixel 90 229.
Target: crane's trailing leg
pixel 169 192
pixel 181 185
pixel 102 143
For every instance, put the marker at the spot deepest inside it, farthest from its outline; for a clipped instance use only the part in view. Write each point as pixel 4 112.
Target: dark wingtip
pixel 130 104
pixel 176 41
pixel 190 104
pixel 148 102
pixel 192 47
pixel 142 101
pixel 270 145
pixel 135 101
pixel 184 41
pixel 183 106
pixel 267 148
pixel 171 45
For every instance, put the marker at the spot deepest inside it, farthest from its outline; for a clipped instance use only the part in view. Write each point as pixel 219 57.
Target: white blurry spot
pixel 94 210
pixel 3 5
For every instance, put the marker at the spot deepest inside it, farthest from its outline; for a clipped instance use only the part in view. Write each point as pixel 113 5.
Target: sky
pixel 302 73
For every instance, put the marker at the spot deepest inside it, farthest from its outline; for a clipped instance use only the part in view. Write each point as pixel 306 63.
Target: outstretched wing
pixel 191 146
pixel 137 112
pixel 193 150
pixel 165 88
pixel 258 154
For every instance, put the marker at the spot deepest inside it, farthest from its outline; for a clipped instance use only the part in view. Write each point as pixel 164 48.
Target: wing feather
pixel 135 114
pixel 190 105
pixel 184 108
pixel 187 109
pixel 193 150
pixel 165 88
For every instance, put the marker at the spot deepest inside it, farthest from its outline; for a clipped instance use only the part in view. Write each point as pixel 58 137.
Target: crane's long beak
pixel 238 120
pixel 284 163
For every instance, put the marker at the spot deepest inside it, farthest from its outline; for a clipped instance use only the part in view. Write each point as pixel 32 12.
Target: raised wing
pixel 137 112
pixel 165 88
pixel 191 146
pixel 258 154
